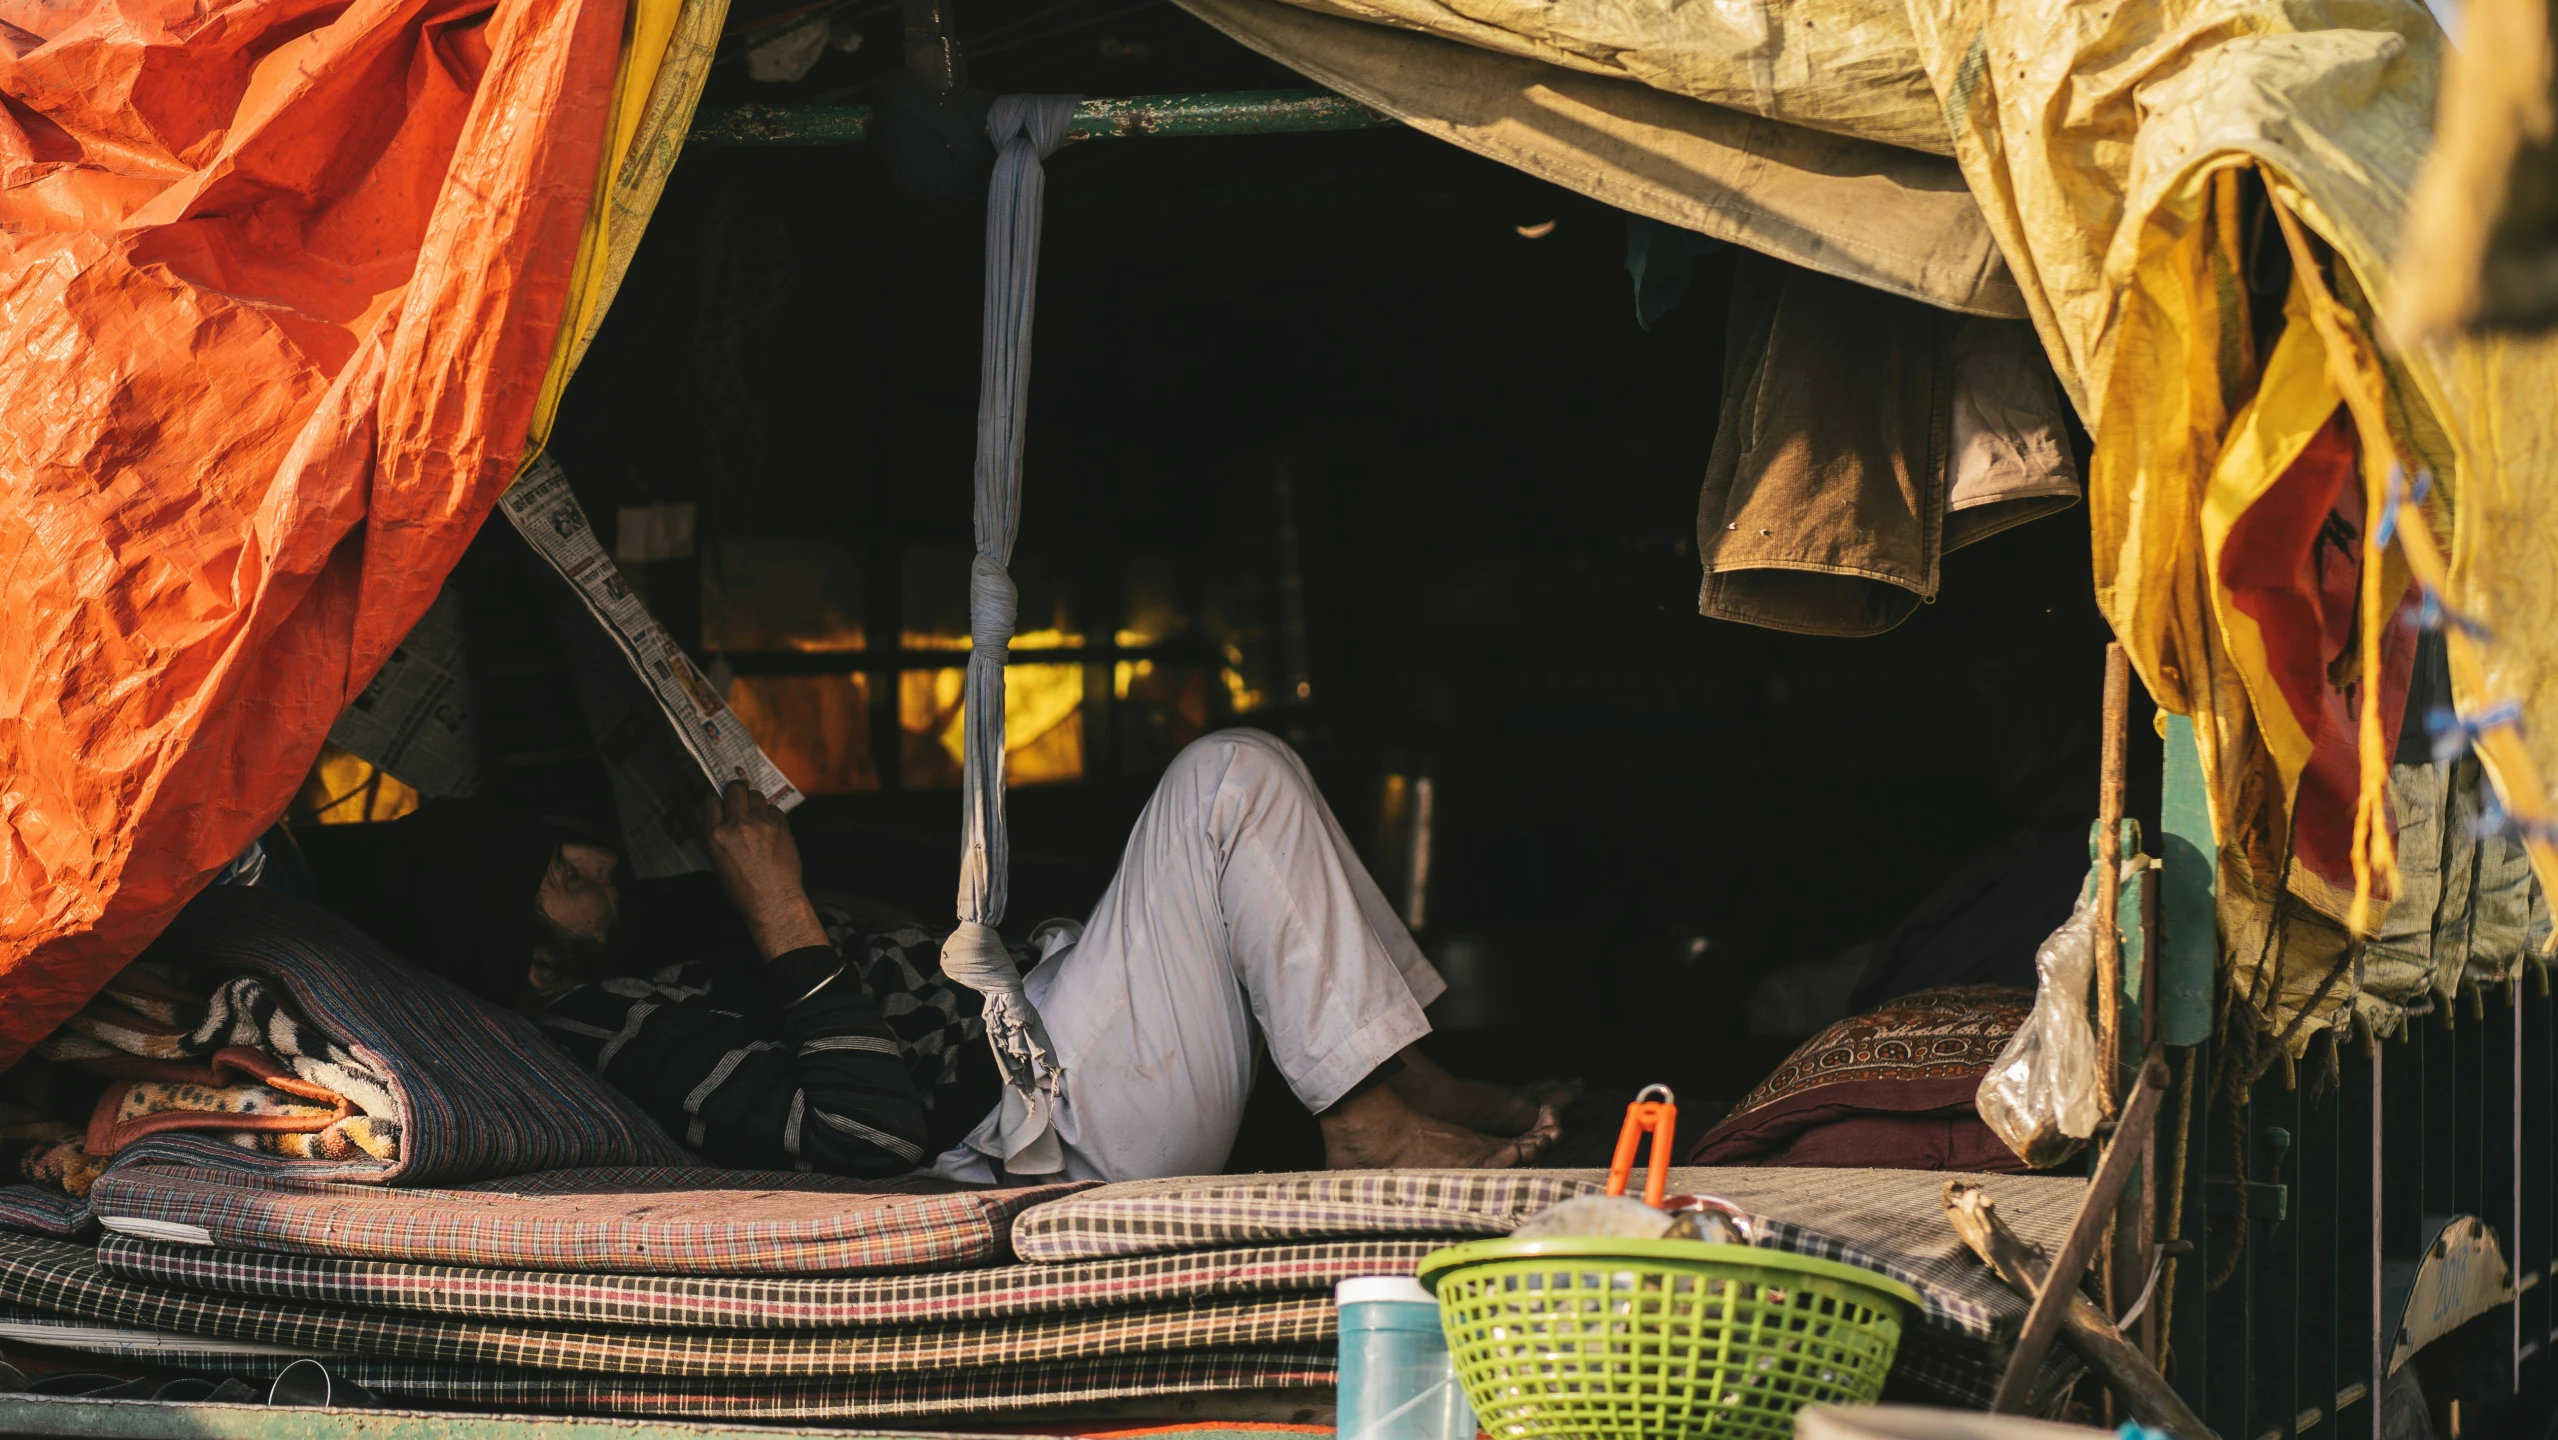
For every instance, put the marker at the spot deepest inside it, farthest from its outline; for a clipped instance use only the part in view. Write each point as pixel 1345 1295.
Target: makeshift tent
pixel 286 300
pixel 2100 155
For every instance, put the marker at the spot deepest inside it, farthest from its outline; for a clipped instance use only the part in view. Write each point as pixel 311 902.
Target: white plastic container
pixel 1397 1382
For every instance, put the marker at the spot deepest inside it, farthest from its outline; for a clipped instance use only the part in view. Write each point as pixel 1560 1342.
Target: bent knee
pixel 1241 753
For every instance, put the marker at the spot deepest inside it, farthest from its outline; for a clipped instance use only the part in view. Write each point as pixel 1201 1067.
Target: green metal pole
pixel 1233 112
pixel 2188 901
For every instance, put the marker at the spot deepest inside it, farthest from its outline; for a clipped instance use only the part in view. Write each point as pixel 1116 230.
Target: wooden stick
pixel 2109 881
pixel 2051 1302
pixel 2152 1400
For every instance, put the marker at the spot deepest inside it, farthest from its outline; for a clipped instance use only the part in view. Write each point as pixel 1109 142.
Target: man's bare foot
pixel 1381 1131
pixel 1478 1104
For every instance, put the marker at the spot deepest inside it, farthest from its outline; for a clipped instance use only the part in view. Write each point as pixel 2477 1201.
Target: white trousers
pixel 1239 904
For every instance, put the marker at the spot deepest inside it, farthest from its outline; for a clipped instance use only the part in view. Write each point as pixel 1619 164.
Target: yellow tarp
pixel 2104 143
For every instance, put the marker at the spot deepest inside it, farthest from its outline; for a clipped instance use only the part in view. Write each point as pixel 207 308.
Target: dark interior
pixel 1346 348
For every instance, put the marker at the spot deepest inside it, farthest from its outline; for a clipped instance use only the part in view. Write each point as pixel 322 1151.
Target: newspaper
pixel 414 720
pixel 547 515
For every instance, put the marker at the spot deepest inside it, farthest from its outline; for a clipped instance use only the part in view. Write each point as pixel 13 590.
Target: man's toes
pixel 1539 1137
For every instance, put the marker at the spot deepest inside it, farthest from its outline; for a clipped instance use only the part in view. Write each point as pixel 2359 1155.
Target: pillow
pixel 1890 1089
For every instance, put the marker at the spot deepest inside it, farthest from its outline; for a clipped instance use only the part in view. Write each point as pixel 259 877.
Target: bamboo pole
pixel 2109 886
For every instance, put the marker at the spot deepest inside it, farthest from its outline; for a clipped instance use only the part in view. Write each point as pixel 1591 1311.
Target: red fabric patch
pixel 2293 564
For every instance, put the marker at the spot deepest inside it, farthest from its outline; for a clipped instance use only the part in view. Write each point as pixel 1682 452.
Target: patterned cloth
pixel 616 1221
pixel 1302 1373
pixel 1895 1086
pixel 708 1303
pixel 477 1091
pixel 1948 1032
pixel 66 1279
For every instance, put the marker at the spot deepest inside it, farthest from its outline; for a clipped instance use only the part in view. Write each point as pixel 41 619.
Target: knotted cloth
pixel 1025 129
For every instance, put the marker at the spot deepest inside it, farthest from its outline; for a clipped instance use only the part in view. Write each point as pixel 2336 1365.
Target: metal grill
pixel 2459 1117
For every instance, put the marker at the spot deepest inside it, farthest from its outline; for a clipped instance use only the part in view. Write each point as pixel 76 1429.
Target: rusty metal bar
pixel 1220 113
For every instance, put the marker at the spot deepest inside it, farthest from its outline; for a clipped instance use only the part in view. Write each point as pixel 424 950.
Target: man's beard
pixel 573 959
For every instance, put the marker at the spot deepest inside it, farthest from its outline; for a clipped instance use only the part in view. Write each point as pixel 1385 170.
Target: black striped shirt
pixel 788 1065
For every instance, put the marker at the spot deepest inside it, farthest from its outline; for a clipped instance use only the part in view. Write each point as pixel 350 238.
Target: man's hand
pixel 758 863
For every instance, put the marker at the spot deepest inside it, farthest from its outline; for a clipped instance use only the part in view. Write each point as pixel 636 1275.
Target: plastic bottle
pixel 1397 1382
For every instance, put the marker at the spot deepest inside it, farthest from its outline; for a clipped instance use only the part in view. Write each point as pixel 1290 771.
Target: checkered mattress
pixel 65 1279
pixel 614 1221
pixel 693 1302
pixel 976 1390
pixel 732 1283
pixel 1891 1221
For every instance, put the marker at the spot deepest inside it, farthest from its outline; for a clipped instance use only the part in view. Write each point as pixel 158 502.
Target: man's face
pixel 582 906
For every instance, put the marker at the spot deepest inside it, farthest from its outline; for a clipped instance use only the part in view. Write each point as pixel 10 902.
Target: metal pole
pixel 1235 112
pixel 2379 1353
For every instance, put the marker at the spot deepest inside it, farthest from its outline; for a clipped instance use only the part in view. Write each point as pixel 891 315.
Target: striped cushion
pixel 723 1303
pixel 42 1210
pixel 684 1221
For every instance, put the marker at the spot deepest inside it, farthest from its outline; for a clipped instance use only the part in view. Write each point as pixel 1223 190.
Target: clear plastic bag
pixel 2040 1097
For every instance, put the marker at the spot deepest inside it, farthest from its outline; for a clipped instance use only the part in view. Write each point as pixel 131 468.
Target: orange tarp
pixel 280 282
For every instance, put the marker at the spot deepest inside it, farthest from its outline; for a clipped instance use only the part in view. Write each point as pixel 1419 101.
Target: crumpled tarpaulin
pixel 283 287
pixel 1896 218
pixel 2106 146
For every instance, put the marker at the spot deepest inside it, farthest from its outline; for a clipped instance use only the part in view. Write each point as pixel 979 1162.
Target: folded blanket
pixel 448 1087
pixel 187 1050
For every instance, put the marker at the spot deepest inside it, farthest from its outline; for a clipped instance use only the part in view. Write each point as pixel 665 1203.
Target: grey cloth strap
pixel 1025 129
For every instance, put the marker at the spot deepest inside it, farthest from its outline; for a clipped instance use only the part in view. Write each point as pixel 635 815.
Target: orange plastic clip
pixel 1661 1117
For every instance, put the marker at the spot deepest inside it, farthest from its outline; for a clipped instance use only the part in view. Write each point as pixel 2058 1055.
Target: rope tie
pixel 1025 129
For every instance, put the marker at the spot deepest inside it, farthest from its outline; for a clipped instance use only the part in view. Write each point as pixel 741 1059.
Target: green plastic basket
pixel 1612 1339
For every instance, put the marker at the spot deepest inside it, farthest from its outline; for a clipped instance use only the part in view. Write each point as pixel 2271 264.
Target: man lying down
pixel 767 1030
